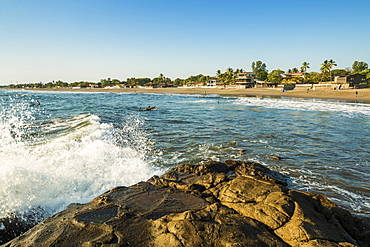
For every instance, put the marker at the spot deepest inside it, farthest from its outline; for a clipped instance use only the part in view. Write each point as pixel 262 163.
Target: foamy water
pixel 48 164
pixel 343 107
pixel 76 146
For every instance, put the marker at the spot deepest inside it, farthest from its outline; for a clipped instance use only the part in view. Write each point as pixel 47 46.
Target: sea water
pixel 75 146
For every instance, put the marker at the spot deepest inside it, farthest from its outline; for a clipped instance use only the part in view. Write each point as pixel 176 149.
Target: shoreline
pixel 321 93
pixel 216 196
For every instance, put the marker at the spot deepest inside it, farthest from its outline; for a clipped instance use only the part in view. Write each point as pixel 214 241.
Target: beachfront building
pixel 245 79
pixel 295 77
pixel 197 84
pixel 126 85
pixel 212 82
pixel 354 80
pixel 164 85
pixel 89 85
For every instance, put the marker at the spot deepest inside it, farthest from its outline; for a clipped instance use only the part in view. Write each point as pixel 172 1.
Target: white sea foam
pixel 354 200
pixel 350 109
pixel 203 101
pixel 69 160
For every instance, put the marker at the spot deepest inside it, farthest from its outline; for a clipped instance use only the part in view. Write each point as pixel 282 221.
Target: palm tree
pixel 161 77
pixel 229 70
pixel 305 66
pixel 229 76
pixel 219 74
pixel 325 67
pixel 331 65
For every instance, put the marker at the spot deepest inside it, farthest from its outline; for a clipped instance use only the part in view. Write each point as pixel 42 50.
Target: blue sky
pixel 88 40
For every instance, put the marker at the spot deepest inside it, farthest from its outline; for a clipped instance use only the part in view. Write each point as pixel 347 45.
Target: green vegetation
pixel 294 70
pixel 340 72
pixel 305 66
pixel 275 76
pixel 359 66
pixel 313 78
pixel 259 68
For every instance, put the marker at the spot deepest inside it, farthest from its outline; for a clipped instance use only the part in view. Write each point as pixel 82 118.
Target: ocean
pixel 77 145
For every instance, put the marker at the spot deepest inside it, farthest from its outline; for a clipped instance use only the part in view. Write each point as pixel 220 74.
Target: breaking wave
pixel 48 164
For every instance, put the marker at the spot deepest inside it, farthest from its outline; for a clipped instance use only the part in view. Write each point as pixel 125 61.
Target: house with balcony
pixel 212 82
pixel 245 80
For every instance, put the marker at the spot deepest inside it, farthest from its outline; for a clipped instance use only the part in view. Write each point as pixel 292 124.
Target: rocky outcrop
pixel 14 225
pixel 228 203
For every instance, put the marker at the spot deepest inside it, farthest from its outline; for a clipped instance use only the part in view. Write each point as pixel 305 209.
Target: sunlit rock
pixel 230 203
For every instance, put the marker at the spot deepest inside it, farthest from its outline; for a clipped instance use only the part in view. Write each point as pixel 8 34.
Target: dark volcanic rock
pixel 228 203
pixel 12 226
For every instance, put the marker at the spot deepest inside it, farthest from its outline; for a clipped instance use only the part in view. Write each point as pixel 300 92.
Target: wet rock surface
pixel 229 203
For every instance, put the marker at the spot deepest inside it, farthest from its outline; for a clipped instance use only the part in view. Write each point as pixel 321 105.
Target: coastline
pixel 206 204
pixel 324 93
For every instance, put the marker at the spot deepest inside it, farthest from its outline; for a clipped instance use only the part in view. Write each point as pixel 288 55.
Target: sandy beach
pixel 320 93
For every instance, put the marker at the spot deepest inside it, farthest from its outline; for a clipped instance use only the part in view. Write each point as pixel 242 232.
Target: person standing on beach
pixel 356 93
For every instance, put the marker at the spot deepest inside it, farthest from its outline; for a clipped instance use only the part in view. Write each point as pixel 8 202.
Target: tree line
pixel 228 77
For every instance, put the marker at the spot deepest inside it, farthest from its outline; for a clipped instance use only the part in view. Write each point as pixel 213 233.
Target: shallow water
pixel 75 146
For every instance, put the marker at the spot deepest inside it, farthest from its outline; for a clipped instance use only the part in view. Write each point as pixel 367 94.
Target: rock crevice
pixel 231 203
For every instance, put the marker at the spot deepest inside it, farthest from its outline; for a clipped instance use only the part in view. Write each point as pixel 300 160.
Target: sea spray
pixel 48 164
pixel 310 135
